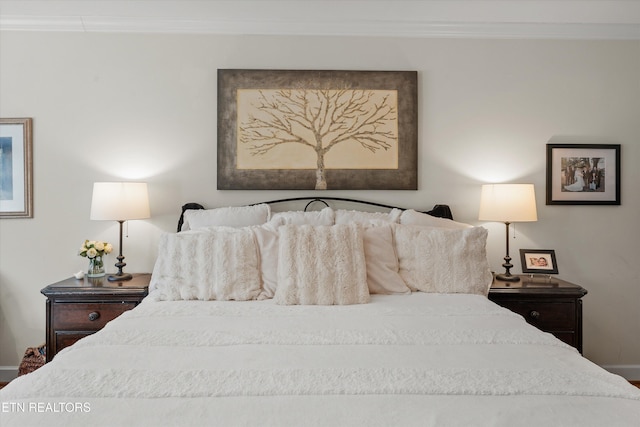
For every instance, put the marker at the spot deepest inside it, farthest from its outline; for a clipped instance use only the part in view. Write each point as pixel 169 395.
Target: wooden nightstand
pixel 79 307
pixel 551 305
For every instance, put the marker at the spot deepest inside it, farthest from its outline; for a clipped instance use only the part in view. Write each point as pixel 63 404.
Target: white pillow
pixel 345 217
pixel 382 261
pixel 217 264
pixel 321 265
pixel 234 216
pixel 412 217
pixel 267 238
pixel 324 217
pixel 442 260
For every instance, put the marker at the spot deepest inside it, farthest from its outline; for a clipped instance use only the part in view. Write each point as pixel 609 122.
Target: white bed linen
pixel 418 359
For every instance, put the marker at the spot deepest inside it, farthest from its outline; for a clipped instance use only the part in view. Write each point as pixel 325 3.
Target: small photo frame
pixel 16 168
pixel 538 261
pixel 583 174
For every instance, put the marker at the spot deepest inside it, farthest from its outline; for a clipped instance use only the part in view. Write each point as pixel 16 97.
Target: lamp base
pixel 119 277
pixel 507 278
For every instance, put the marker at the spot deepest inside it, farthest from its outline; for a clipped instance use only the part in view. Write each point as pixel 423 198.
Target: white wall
pixel 116 106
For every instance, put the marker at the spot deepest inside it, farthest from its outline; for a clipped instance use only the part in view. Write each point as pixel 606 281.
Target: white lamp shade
pixel 508 203
pixel 120 201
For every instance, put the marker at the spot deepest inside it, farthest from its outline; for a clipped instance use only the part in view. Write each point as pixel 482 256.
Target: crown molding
pixel 368 28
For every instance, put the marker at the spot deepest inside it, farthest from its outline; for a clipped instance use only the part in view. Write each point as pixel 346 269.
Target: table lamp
pixel 508 203
pixel 120 201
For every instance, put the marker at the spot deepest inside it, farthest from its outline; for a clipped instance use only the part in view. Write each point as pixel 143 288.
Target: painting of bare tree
pixel 316 120
pixel 316 130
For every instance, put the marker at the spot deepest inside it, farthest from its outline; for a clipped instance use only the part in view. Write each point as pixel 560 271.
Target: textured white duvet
pixel 418 359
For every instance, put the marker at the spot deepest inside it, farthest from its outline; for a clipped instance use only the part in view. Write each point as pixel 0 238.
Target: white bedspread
pixel 419 359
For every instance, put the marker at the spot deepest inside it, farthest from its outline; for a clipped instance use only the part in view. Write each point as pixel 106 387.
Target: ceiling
pixel 565 19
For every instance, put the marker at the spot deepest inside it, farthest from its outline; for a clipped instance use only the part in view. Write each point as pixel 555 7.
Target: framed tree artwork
pixel 583 174
pixel 16 168
pixel 317 130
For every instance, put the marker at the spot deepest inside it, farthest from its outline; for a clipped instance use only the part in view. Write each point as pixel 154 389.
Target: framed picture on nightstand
pixel 538 261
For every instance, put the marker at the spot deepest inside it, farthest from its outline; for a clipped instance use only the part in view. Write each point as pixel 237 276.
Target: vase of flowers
pixel 95 251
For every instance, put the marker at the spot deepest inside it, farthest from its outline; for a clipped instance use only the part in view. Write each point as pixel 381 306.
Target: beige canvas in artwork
pixel 317 129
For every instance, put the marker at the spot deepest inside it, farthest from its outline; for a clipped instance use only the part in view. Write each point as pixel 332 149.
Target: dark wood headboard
pixel 440 211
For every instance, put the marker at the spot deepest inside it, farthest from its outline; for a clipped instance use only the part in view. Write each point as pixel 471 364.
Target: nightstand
pixel 550 304
pixel 79 307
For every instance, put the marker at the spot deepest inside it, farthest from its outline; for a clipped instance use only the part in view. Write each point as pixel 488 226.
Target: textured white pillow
pixel 321 265
pixel 442 260
pixel 324 217
pixel 382 261
pixel 412 217
pixel 217 264
pixel 345 216
pixel 234 216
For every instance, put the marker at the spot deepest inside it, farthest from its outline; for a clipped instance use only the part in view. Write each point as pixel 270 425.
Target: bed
pixel 305 319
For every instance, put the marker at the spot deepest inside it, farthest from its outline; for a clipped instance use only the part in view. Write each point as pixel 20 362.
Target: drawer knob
pixel 534 314
pixel 94 315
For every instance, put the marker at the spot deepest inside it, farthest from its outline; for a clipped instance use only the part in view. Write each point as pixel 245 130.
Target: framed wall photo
pixel 583 174
pixel 16 168
pixel 538 261
pixel 317 130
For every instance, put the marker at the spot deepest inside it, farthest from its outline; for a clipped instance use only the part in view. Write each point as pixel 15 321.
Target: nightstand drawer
pixel 548 316
pixel 87 316
pixel 65 339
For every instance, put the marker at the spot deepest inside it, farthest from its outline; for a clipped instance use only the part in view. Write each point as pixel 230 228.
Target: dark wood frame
pixel 231 178
pixel 553 268
pixel 27 169
pixel 609 197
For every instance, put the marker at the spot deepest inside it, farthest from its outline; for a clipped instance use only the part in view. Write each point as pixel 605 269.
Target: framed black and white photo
pixel 538 261
pixel 16 168
pixel 583 174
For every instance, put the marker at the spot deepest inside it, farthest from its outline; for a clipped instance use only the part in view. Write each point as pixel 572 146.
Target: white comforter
pixel 419 359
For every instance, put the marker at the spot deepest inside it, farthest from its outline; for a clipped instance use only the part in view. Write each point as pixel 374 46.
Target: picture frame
pixel 317 130
pixel 16 168
pixel 583 174
pixel 538 261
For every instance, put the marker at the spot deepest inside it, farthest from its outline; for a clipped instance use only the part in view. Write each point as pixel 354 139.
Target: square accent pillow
pixel 440 260
pixel 217 264
pixel 234 216
pixel 266 236
pixel 344 216
pixel 382 261
pixel 412 217
pixel 324 217
pixel 321 265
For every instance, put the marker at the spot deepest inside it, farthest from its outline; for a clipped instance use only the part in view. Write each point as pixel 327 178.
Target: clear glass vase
pixel 96 267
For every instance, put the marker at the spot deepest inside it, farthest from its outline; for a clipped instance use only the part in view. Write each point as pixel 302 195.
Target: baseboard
pixel 8 373
pixel 628 372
